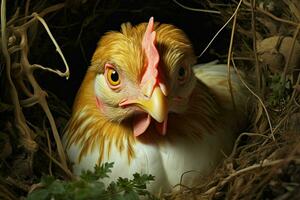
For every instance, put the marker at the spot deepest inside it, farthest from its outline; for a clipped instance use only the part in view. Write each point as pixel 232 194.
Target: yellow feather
pixel 197 136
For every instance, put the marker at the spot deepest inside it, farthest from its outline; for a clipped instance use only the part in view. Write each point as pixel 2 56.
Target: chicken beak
pixel 156 106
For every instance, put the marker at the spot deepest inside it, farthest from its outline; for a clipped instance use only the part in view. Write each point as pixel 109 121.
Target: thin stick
pixel 14 17
pixel 27 8
pixel 68 172
pixel 238 140
pixel 49 146
pixel 288 114
pixel 51 9
pixel 197 9
pixel 259 99
pixel 228 60
pixel 62 74
pixel 55 71
pixel 271 15
pixel 182 176
pixel 247 169
pixel 211 41
pixel 17 183
pixel 8 194
pixel 19 119
pixel 39 95
pixel 254 46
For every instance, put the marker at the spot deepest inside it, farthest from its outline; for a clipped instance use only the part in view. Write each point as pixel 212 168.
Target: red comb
pixel 150 77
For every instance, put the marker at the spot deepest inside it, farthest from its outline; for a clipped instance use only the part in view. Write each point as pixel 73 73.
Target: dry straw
pixel 260 157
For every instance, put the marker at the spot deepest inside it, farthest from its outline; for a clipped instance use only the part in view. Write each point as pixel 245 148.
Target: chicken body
pixel 142 106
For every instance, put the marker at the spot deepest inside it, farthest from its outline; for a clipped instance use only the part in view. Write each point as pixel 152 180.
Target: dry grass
pixel 265 162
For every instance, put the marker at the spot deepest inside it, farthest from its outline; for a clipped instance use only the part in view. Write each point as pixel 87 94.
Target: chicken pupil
pixel 181 72
pixel 114 76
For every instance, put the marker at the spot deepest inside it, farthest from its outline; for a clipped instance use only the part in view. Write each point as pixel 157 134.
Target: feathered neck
pixel 89 128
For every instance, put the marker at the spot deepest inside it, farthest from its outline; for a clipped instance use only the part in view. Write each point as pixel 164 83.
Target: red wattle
pixel 140 123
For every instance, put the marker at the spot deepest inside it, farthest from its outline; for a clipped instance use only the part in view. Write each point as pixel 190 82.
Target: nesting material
pixel 265 162
pixel 278 51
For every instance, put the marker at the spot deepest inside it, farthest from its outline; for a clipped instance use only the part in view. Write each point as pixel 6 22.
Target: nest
pixel 264 41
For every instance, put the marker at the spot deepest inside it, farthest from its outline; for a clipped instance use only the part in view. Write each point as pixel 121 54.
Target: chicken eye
pixel 182 74
pixel 112 77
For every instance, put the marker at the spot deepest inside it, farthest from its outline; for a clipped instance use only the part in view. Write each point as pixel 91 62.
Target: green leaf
pixel 100 172
pixel 142 180
pixel 47 180
pixel 57 187
pixel 42 194
pixel 117 196
pixel 91 187
pixel 131 195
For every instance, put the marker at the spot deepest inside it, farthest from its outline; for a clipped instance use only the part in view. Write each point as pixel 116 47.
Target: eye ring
pixel 183 74
pixel 112 76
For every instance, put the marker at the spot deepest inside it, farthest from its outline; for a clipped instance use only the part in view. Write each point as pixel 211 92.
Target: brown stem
pixel 253 26
pixel 271 15
pixel 18 114
pixel 228 60
pixel 40 97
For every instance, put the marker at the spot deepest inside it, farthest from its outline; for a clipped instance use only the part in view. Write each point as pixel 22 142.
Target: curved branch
pixel 219 31
pixel 19 117
pixel 67 72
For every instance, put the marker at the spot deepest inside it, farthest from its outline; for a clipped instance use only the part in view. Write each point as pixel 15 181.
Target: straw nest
pixel 264 41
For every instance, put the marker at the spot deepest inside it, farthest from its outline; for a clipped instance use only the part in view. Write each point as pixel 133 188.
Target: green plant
pixel 90 186
pixel 280 90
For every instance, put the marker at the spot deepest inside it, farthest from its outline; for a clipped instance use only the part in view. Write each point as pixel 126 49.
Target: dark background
pixel 78 27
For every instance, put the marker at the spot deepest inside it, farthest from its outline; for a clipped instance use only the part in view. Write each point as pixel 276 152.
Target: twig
pixel 296 103
pixel 60 148
pixel 211 41
pixel 24 89
pixel 18 114
pixel 51 9
pixel 14 17
pixel 288 114
pixel 49 147
pixel 271 15
pixel 18 184
pixel 259 99
pixel 238 140
pixel 228 60
pixel 46 11
pixel 39 96
pixel 56 71
pixel 293 8
pixel 4 192
pixel 27 7
pixel 197 9
pixel 62 74
pixel 181 178
pixel 253 27
pixel 70 175
pixel 244 170
pixel 243 58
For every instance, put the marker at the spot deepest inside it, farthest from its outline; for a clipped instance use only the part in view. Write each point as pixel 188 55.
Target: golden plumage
pixel 201 120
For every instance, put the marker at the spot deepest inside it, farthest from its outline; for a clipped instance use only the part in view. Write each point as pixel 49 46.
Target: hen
pixel 142 106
